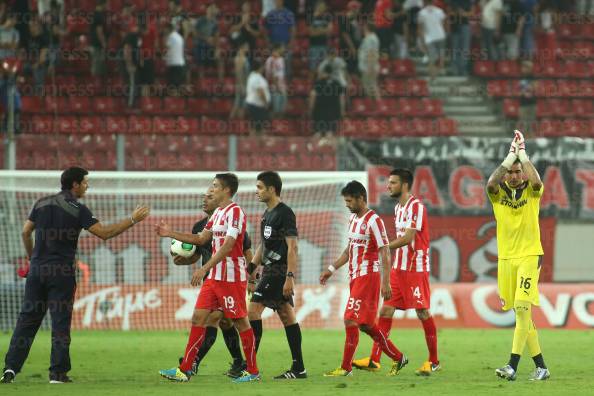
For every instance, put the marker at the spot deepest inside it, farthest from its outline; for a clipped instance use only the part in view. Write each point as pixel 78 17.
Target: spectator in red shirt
pixel 383 24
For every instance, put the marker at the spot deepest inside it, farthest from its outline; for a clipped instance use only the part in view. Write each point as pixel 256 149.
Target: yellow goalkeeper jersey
pixel 516 213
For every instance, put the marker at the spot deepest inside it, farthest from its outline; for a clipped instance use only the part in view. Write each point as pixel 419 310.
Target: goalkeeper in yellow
pixel 514 190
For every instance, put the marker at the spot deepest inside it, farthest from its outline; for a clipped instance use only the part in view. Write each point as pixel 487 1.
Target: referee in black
pixel 57 221
pixel 277 252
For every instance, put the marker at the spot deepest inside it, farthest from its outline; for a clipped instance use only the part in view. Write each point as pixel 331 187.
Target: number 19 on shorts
pixel 229 302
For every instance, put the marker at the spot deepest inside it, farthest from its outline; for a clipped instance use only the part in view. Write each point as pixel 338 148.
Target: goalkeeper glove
pixel 511 156
pixel 521 143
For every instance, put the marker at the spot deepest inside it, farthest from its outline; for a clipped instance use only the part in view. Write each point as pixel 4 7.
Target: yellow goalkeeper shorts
pixel 517 280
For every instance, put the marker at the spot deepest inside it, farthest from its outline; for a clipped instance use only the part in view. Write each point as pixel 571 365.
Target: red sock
pixel 248 342
pixel 384 342
pixel 194 342
pixel 384 324
pixel 350 346
pixel 431 338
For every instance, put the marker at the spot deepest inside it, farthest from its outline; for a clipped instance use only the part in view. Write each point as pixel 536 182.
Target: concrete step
pixel 486 119
pixel 484 130
pixel 463 101
pixel 451 81
pixel 468 109
pixel 474 91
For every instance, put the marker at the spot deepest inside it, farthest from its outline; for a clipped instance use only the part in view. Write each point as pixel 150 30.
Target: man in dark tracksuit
pixel 57 221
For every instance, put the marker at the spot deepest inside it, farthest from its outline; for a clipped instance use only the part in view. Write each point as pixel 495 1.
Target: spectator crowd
pixel 258 44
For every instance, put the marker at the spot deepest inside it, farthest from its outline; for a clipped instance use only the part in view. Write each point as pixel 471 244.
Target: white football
pixel 182 249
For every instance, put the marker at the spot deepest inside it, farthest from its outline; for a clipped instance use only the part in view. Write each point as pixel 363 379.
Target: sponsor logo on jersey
pixel 267 231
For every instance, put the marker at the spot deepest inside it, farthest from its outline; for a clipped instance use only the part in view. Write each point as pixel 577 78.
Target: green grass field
pixel 126 363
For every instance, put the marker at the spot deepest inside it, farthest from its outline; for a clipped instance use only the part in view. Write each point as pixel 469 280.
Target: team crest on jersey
pixel 363 227
pixel 267 231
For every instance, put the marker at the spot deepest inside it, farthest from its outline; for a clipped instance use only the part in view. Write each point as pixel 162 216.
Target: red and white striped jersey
pixel 413 257
pixel 228 221
pixel 366 235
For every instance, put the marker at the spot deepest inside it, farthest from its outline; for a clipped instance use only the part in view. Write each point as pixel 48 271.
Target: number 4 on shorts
pixel 416 292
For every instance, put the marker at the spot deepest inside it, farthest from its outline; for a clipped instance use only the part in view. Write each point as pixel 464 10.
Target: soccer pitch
pixel 126 363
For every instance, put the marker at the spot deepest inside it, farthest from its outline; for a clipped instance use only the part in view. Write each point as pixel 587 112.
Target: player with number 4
pixel 367 248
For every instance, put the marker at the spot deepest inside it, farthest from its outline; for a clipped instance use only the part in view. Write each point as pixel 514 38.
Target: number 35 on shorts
pixel 354 305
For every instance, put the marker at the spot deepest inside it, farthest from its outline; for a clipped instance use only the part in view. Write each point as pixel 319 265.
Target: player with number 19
pixel 367 247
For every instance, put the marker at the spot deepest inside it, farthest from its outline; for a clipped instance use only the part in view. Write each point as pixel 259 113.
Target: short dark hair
pixel 271 179
pixel 405 175
pixel 354 189
pixel 229 180
pixel 72 175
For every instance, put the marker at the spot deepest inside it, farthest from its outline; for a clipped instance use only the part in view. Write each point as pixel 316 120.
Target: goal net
pixel 131 282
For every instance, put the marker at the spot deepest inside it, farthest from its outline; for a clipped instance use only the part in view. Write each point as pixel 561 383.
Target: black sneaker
pixel 194 369
pixel 7 377
pixel 291 374
pixel 236 370
pixel 59 378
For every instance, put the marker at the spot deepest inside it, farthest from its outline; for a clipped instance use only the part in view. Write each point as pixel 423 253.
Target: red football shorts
pixel 410 290
pixel 364 299
pixel 228 297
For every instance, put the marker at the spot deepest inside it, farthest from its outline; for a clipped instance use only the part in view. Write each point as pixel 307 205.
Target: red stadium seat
pixel 56 104
pixel 582 107
pixel 150 105
pixel 508 68
pixel 393 87
pixel 397 127
pixel 431 107
pixel 164 124
pixel 511 108
pixel 116 124
pixel 363 107
pixel 418 88
pixel 42 124
pixel 66 124
pixel 198 106
pixel 542 108
pixel 351 127
pixel 32 104
pixel 446 127
pixel 105 104
pixel 485 68
pixel 80 104
pixel 140 125
pixel 174 106
pixel 387 107
pixel 90 125
pixel 187 125
pixel 406 107
pixel 220 106
pixel 421 126
pixel 403 68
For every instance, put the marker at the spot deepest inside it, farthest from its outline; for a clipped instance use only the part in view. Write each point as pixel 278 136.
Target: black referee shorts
pixel 269 292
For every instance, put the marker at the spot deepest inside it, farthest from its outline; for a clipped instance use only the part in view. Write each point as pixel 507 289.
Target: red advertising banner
pixel 468 305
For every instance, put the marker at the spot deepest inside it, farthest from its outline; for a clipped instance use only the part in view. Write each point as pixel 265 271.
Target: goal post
pixel 130 282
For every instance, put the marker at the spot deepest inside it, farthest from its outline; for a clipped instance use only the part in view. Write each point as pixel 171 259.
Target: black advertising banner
pixel 450 174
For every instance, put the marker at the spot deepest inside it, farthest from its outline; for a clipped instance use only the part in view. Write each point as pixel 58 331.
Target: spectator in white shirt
pixel 492 10
pixel 431 22
pixel 369 66
pixel 257 99
pixel 274 70
pixel 174 58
